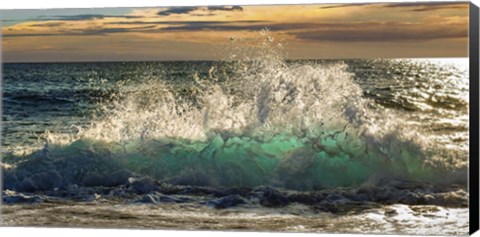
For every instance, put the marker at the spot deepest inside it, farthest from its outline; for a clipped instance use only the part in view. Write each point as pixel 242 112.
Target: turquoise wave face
pixel 334 160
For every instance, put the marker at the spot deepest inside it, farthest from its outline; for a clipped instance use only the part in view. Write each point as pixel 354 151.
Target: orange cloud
pixel 303 27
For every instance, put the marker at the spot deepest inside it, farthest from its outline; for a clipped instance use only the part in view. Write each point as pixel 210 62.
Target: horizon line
pixel 218 60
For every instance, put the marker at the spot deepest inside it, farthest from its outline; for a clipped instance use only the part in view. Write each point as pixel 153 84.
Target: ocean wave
pixel 252 121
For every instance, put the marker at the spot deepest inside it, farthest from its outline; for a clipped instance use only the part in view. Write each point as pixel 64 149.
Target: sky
pixel 360 30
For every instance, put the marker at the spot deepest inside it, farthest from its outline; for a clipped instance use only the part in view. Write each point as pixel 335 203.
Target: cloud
pixel 181 22
pixel 240 25
pixel 339 32
pixel 345 5
pixel 49 24
pixel 191 26
pixel 39 20
pixel 104 31
pixel 413 6
pixel 188 10
pixel 429 6
pixel 374 31
pixel 8 22
pixel 63 29
pixel 85 32
pixel 29 35
pixel 199 26
pixel 82 17
pixel 382 32
pixel 225 8
pixel 176 10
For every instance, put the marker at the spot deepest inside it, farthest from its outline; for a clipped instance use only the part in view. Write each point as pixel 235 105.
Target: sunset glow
pixel 434 29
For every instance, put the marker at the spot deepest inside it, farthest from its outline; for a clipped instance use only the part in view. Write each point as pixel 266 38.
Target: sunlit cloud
pixel 177 32
pixel 346 5
pixel 429 6
pixel 80 17
pixel 382 32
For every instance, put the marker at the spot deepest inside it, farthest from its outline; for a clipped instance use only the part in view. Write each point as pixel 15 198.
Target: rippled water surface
pixel 378 146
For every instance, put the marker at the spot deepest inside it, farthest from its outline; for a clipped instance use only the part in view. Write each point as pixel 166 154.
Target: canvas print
pixel 327 118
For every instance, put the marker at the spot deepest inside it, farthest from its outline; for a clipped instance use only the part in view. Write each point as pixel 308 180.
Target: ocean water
pixel 287 141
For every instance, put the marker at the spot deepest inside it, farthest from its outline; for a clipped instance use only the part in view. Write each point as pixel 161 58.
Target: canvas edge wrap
pixel 474 120
pixel 474 131
pixel 1 112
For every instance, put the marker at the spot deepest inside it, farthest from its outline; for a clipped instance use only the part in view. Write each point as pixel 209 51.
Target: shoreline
pixel 390 219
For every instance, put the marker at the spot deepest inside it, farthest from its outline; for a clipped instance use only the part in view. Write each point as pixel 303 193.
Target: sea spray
pixel 252 120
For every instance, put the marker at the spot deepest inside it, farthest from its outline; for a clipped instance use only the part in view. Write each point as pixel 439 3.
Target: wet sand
pixel 393 219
